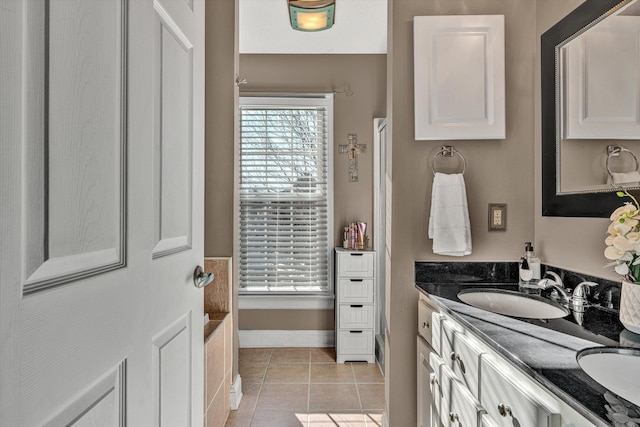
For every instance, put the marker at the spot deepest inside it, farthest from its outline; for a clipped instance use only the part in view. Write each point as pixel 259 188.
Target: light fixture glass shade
pixel 311 15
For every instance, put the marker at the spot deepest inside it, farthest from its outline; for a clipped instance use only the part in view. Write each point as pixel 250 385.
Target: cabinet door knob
pixel 453 417
pixel 504 410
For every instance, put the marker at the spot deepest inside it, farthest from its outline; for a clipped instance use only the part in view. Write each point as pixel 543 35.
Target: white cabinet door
pixel 101 211
pixel 462 353
pixel 459 77
pixel 423 383
pixel 510 400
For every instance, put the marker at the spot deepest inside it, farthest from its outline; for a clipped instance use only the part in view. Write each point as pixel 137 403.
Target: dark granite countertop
pixel 543 349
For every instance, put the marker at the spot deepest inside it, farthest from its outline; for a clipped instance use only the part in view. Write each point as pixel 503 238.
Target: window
pixel 285 195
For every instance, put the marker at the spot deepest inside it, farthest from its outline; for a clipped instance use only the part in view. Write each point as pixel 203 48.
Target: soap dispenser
pixel 529 271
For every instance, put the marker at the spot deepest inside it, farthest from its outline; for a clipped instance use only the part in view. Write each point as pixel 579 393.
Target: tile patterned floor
pixel 305 387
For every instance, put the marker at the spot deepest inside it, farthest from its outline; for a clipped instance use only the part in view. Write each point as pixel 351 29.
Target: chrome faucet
pixel 559 290
pixel 580 293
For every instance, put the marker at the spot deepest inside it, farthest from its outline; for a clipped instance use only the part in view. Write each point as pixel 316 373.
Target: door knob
pixel 200 278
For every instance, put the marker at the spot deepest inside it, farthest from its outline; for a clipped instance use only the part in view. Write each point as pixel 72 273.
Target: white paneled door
pixel 101 213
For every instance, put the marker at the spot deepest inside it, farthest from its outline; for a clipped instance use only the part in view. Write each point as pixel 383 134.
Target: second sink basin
pixel 512 303
pixel 615 368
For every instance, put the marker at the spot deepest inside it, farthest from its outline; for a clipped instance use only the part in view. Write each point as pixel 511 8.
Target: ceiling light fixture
pixel 311 15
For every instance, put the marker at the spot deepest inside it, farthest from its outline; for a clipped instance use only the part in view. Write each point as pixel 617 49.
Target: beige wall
pixel 365 75
pixel 498 171
pixel 221 47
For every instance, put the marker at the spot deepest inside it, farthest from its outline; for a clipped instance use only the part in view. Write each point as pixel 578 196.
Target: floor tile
pixel 332 373
pixel 278 397
pixel 248 356
pixel 336 418
pixel 279 419
pixel 290 355
pixel 239 419
pixel 371 396
pixel 323 355
pixel 337 397
pixel 367 373
pixel 253 373
pixel 373 418
pixel 298 373
pixel 250 392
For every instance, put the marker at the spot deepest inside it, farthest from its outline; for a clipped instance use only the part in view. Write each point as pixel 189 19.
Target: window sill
pixel 285 302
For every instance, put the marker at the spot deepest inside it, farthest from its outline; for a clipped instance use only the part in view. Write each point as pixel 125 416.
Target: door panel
pixel 78 332
pixel 171 366
pixel 75 140
pixel 173 151
pixel 102 403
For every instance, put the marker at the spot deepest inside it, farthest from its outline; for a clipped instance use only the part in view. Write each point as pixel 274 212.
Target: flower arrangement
pixel 623 242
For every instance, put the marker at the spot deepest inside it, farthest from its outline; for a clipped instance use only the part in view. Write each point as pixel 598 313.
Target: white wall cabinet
pixel 472 385
pixel 355 305
pixel 459 77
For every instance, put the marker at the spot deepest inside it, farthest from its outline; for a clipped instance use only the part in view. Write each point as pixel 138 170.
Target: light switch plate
pixel 497 216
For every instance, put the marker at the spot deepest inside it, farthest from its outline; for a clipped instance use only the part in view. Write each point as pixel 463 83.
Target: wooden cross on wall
pixel 352 149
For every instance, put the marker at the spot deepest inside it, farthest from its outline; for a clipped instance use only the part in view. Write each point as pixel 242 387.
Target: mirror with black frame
pixel 590 83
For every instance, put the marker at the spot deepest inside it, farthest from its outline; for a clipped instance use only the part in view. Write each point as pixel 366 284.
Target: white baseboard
pixel 278 338
pixel 236 393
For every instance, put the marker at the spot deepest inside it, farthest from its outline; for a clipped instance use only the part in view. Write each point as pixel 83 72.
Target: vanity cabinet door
pixel 458 406
pixel 436 363
pixel 510 400
pixel 424 385
pixel 464 409
pixel 436 332
pixel 462 353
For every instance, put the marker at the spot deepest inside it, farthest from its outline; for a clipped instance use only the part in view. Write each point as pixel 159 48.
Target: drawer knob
pixel 425 325
pixel 456 358
pixel 453 417
pixel 504 410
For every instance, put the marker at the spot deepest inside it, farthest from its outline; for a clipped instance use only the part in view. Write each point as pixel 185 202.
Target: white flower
pixel 622 269
pixel 613 253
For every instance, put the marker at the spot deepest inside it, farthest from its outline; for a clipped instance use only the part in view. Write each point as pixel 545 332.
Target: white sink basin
pixel 615 368
pixel 512 303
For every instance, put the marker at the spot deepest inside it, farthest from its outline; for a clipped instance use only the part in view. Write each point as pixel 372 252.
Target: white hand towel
pixel 449 225
pixel 632 178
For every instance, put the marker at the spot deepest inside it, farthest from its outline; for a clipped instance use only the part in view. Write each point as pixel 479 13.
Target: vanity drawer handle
pixel 453 417
pixel 356 280
pixel 356 305
pixel 356 254
pixel 355 332
pixel 456 358
pixel 504 410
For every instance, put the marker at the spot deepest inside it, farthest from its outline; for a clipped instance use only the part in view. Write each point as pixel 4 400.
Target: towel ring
pixel 449 151
pixel 616 150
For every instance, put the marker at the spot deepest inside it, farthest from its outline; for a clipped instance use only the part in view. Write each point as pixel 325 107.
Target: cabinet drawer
pixel 449 328
pixel 355 342
pixel 355 264
pixel 355 290
pixel 356 316
pixel 462 352
pixel 425 322
pixel 510 400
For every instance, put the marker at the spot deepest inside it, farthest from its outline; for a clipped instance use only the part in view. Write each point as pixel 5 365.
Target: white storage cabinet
pixel 355 305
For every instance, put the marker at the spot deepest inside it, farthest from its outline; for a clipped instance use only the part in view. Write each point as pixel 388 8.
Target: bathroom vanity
pixel 480 368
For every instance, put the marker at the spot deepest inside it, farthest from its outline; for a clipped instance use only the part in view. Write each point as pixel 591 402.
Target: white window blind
pixel 285 195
